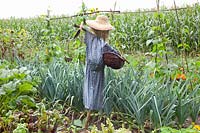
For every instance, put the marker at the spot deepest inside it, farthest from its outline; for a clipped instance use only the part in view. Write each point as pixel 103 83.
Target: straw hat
pixel 100 23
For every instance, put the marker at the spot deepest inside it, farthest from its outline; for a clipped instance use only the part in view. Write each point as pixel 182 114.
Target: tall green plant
pixel 62 81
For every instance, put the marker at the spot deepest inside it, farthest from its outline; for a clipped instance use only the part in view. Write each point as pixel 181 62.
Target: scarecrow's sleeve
pixel 108 48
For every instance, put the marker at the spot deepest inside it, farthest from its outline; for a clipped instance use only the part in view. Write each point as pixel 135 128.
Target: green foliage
pixel 134 93
pixel 129 91
pixel 172 130
pixel 25 38
pixel 16 87
pixel 21 128
pixel 108 128
pixel 62 81
pixel 144 91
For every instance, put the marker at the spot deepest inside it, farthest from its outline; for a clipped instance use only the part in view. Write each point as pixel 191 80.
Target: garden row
pixel 134 98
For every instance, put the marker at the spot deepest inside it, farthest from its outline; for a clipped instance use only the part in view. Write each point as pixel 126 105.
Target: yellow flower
pixel 8 30
pixel 42 16
pixel 22 32
pixel 197 127
pixel 92 10
pixel 47 51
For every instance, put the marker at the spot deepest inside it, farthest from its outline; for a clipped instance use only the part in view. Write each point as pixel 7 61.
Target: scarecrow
pixel 95 40
pixel 98 54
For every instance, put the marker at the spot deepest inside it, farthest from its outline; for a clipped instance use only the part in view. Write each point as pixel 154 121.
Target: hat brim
pixel 95 25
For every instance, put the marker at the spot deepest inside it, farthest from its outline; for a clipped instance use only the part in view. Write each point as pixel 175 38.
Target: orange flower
pixel 180 76
pixel 183 77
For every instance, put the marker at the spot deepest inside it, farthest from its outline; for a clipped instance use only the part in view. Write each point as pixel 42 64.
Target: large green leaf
pixel 25 87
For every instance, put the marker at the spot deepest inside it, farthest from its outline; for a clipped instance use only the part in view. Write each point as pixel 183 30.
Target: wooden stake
pixel 87 119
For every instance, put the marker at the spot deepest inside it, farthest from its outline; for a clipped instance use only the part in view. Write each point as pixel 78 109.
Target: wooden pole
pixel 48 18
pixel 86 13
pixel 87 119
pixel 119 12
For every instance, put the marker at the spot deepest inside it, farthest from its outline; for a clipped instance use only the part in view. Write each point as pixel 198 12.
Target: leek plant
pixel 162 101
pixel 132 92
pixel 62 81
